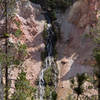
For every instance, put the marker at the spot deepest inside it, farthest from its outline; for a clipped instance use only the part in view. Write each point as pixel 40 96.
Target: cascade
pixel 49 60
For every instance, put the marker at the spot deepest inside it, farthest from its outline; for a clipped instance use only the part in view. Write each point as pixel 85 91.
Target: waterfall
pixel 49 60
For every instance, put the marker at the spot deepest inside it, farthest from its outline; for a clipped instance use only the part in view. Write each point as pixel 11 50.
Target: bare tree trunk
pixel 77 97
pixel 6 50
pixel 1 86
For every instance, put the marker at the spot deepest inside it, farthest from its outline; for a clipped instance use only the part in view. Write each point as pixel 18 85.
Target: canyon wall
pixel 26 27
pixel 75 48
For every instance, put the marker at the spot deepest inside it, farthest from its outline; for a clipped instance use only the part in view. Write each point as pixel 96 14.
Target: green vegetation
pixel 78 90
pixel 48 76
pixel 54 4
pixel 2 57
pixel 18 33
pixel 90 87
pixel 72 81
pixel 6 35
pixel 50 92
pixel 45 34
pixel 6 58
pixel 97 73
pixel 95 97
pixel 56 29
pixel 23 90
pixel 10 58
pixel 96 53
pixel 97 56
pixel 17 23
pixel 50 84
pixel 50 6
pixel 77 84
pixel 22 47
pixel 47 92
pixel 22 50
pixel 52 15
pixel 81 78
pixel 54 95
pixel 16 61
pixel 87 36
pixel 70 97
pixel 80 81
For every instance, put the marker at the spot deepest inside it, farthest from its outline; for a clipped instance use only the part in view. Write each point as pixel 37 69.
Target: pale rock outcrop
pixel 31 25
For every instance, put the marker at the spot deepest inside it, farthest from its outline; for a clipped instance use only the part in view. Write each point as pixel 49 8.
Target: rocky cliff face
pixel 26 27
pixel 83 13
pixel 75 48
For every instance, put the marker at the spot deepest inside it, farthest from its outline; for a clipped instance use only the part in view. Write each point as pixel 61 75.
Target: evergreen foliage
pixel 54 4
pixel 23 90
pixel 49 84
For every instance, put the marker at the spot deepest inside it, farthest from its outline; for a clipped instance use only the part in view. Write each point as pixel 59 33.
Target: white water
pixel 49 60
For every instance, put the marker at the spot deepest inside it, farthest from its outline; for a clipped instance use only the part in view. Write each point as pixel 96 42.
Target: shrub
pixel 54 95
pixel 78 90
pixel 23 90
pixel 70 97
pixel 81 78
pixel 72 81
pixel 50 84
pixel 90 87
pixel 97 55
pixel 50 92
pixel 17 61
pixel 47 92
pixel 48 76
pixel 22 50
pixel 54 4
pixel 52 15
pixel 18 33
pixel 17 23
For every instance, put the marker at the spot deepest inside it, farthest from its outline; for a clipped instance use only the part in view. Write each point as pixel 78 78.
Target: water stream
pixel 49 60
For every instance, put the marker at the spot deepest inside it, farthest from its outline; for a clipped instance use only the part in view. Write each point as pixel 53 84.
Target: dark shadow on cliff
pixel 75 53
pixel 78 52
pixel 75 69
pixel 36 47
pixel 84 52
